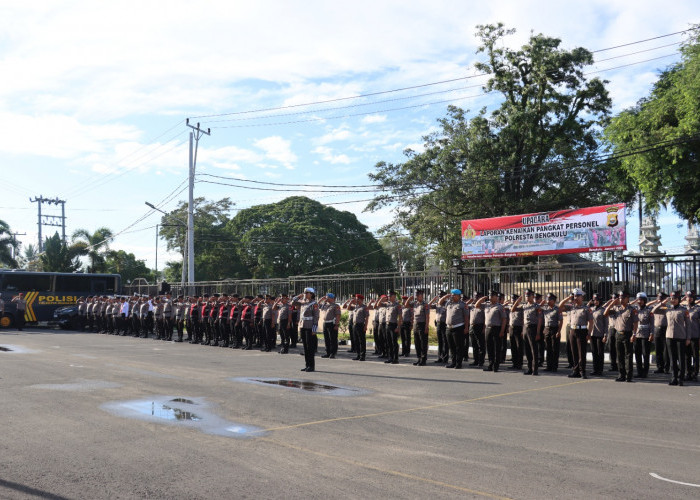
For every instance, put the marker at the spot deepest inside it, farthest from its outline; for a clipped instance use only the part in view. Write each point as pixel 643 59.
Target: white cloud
pixel 374 119
pixel 339 134
pixel 278 149
pixel 328 156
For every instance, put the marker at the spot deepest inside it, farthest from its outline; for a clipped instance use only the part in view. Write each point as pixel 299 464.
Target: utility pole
pixel 195 135
pixel 50 220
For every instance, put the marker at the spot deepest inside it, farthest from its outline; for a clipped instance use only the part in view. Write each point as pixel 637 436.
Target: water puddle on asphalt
pixel 5 349
pixel 305 386
pixel 195 413
pixel 15 349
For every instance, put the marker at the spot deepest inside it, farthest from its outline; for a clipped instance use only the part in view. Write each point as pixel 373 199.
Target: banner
pixel 593 229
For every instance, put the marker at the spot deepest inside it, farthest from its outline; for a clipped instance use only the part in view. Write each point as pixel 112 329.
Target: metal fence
pixel 650 274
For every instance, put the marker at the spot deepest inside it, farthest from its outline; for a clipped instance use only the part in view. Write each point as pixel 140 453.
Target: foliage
pixel 216 253
pixel 57 257
pixel 93 245
pixel 301 236
pixel 126 264
pixel 666 125
pixel 8 245
pixel 29 259
pixel 523 156
pixel 405 252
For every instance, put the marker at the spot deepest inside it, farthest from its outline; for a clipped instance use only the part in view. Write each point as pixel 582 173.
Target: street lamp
pixel 181 223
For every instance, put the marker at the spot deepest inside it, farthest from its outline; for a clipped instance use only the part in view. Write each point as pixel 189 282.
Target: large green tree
pixel 664 130
pixel 126 264
pixel 57 257
pixel 301 236
pixel 93 245
pixel 216 252
pixel 525 155
pixel 8 245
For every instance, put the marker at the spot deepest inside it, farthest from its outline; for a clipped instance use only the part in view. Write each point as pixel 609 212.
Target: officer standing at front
pixel 495 324
pixel 553 324
pixel 640 339
pixel 308 322
pixel 599 333
pixel 677 335
pixel 457 319
pixel 392 315
pixel 360 318
pixel 625 318
pixel 331 322
pixel 663 361
pixel 580 324
pixel 421 317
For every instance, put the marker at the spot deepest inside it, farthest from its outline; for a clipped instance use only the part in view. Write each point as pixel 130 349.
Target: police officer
pixel 553 324
pixel 360 317
pixel 677 334
pixel 640 338
pixel 663 361
pixel 284 321
pixel 515 326
pixel 692 350
pixel 406 328
pixel 269 333
pixel 441 326
pixel 421 319
pixel 599 333
pixel 476 331
pixel 495 325
pixel 580 326
pixel 392 315
pixel 457 320
pixel 246 322
pixel 308 322
pixel 168 317
pixel 532 321
pixel 625 318
pixel 330 311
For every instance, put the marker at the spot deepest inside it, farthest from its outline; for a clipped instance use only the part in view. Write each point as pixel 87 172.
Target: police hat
pixel 551 296
pixel 330 295
pixel 515 296
pixel 420 291
pixel 456 291
pixel 663 295
pixel 538 296
pixel 493 293
pixel 676 295
pixel 642 295
pixel 690 293
pixel 623 294
pixel 309 290
pixel 359 296
pixel 529 292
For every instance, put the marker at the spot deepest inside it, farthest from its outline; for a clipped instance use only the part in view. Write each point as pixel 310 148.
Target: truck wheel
pixel 7 320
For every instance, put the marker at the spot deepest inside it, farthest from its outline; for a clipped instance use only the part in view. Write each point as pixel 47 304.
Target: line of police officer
pixel 534 323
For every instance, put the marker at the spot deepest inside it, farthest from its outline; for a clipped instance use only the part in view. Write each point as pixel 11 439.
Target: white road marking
pixel 652 474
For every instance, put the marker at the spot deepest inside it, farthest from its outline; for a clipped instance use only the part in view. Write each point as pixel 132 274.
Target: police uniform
pixel 269 334
pixel 579 319
pixel 552 319
pixel 441 329
pixel 663 361
pixel 532 319
pixel 392 314
pixel 421 315
pixel 284 324
pixel 642 345
pixel 457 321
pixel 476 334
pixel 692 350
pixel 677 335
pixel 600 330
pixel 494 320
pixel 406 327
pixel 516 335
pixel 331 320
pixel 360 316
pixel 308 323
pixel 625 318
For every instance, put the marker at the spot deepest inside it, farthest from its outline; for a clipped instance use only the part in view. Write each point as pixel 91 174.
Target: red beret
pixel 360 296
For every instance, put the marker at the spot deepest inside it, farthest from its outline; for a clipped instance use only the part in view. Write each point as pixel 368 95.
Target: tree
pixel 524 156
pixel 95 246
pixel 57 257
pixel 126 264
pixel 216 253
pixel 29 259
pixel 301 236
pixel 8 245
pixel 665 127
pixel 405 252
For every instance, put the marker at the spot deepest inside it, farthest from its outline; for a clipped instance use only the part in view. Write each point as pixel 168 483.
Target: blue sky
pixel 94 95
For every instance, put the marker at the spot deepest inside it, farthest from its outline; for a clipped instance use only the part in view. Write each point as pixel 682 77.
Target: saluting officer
pixel 692 350
pixel 580 325
pixel 553 324
pixel 284 321
pixel 515 325
pixel 457 321
pixel 625 318
pixel 640 338
pixel 308 314
pixel 421 320
pixel 406 328
pixel 441 326
pixel 495 323
pixel 599 333
pixel 392 314
pixel 476 331
pixel 663 361
pixel 532 321
pixel 677 335
pixel 331 321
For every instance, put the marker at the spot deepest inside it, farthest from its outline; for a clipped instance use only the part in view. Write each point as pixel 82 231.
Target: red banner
pixel 592 229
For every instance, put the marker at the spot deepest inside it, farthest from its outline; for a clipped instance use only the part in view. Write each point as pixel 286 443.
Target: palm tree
pixel 8 245
pixel 95 246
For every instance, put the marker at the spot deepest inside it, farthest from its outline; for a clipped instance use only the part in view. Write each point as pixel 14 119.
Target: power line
pixel 401 89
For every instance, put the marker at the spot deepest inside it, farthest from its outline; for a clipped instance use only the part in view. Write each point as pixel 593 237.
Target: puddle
pixel 194 413
pixel 305 386
pixel 5 349
pixel 80 385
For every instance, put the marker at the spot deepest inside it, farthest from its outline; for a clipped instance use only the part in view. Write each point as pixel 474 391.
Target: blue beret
pixel 456 291
pixel 330 295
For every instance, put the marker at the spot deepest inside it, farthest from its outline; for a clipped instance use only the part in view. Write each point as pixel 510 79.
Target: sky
pixel 94 96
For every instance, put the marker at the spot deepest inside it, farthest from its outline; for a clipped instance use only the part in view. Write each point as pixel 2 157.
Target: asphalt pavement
pixel 96 416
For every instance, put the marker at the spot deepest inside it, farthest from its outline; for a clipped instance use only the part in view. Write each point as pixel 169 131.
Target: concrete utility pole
pixel 14 241
pixel 195 135
pixel 50 220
